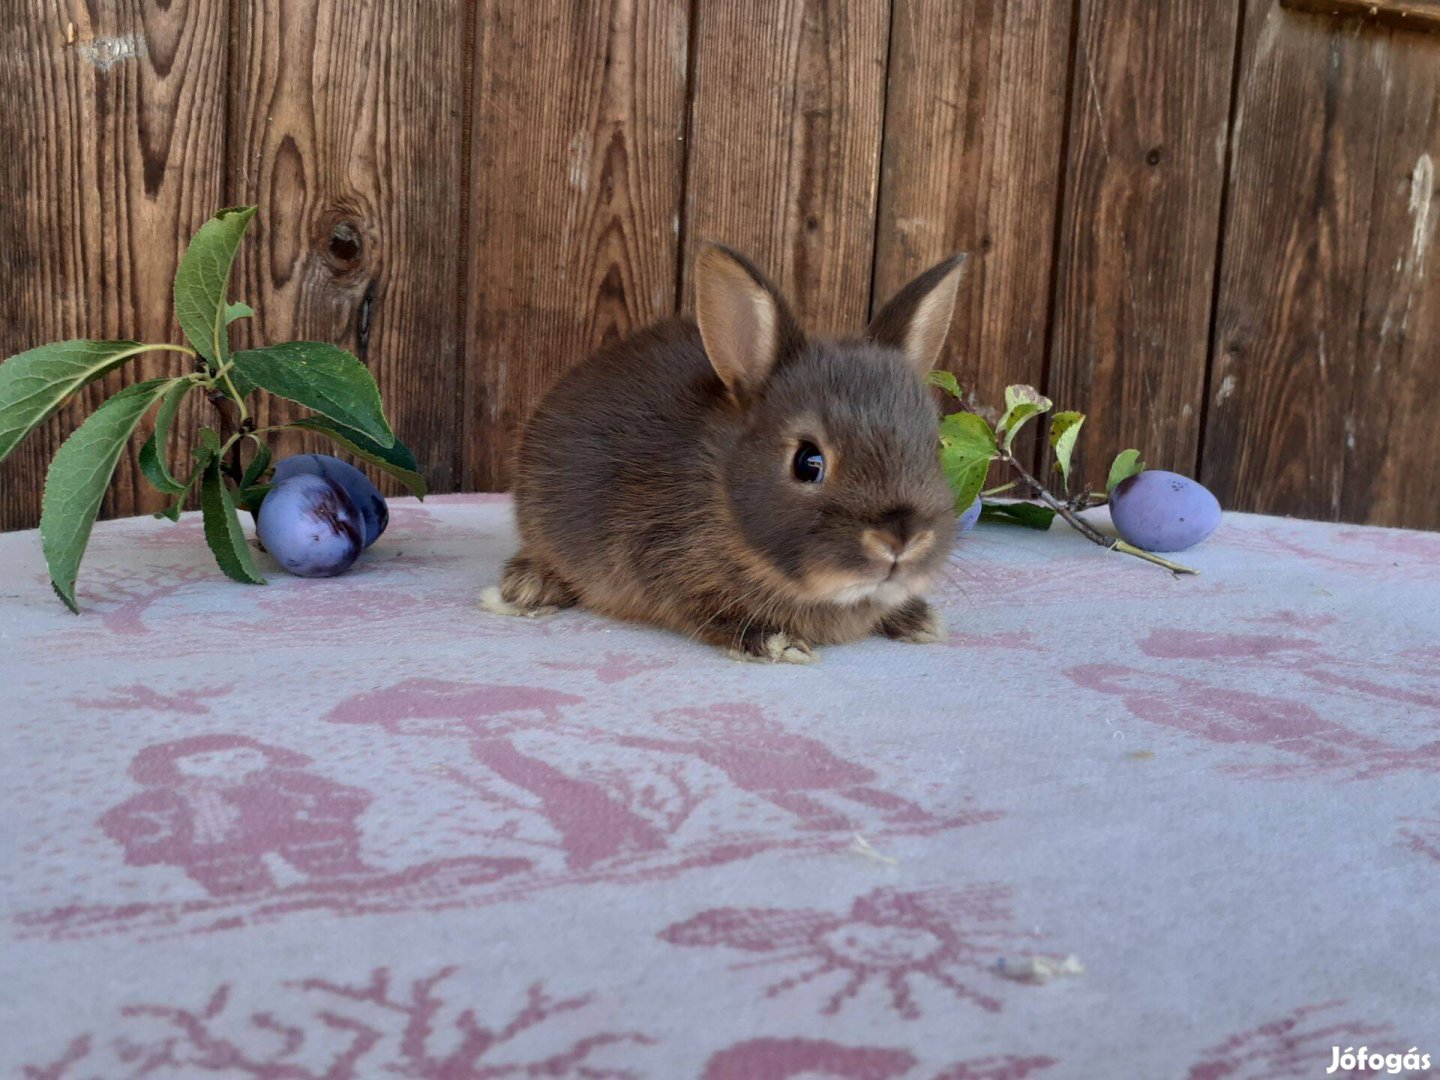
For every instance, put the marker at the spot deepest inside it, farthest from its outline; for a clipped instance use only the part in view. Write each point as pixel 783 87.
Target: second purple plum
pixel 1163 511
pixel 970 517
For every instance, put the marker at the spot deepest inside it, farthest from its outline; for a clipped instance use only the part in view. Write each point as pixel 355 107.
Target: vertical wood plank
pixel 113 128
pixel 1391 467
pixel 1306 147
pixel 974 130
pixel 577 166
pixel 1148 130
pixel 347 126
pixel 785 146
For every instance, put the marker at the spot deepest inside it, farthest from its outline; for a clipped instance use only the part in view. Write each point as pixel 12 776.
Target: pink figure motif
pixel 1296 654
pixel 782 1059
pixel 892 937
pixel 1223 715
pixel 761 757
pixel 591 824
pixel 1174 644
pixel 1415 548
pixel 215 805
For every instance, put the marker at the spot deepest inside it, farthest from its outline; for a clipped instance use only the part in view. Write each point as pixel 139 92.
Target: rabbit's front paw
pixel 914 621
pixel 492 601
pixel 773 647
pixel 527 588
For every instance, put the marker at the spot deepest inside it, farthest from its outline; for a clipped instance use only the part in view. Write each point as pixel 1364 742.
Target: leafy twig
pixel 323 378
pixel 1083 527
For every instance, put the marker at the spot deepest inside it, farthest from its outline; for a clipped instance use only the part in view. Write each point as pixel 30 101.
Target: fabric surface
pixel 359 827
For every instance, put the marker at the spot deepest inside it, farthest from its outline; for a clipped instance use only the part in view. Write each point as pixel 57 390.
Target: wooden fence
pixel 1210 224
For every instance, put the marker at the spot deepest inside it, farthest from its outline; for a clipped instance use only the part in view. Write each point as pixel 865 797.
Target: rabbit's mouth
pixel 886 588
pixel 887 593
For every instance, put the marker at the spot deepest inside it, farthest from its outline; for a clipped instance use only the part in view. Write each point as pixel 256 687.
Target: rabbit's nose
pixel 898 524
pixel 897 540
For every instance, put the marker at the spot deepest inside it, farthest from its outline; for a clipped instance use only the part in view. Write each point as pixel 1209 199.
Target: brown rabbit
pixel 739 483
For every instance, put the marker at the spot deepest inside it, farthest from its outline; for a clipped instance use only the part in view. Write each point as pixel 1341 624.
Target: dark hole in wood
pixel 344 242
pixel 1153 157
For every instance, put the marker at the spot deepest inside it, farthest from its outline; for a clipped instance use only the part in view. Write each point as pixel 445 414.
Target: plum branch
pixel 1083 527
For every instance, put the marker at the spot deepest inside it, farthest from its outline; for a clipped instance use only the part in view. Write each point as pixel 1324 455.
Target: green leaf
pixel 222 527
pixel 968 434
pixel 238 310
pixel 1021 394
pixel 203 279
pixel 1031 515
pixel 34 384
pixel 207 447
pixel 252 492
pixel 1127 463
pixel 396 460
pixel 1021 403
pixel 250 498
pixel 209 444
pixel 321 377
pixel 79 476
pixel 258 464
pixel 967 480
pixel 202 458
pixel 1064 430
pixel 967 446
pixel 947 382
pixel 152 454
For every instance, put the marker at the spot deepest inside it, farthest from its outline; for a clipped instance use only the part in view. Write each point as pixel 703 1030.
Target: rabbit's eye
pixel 809 464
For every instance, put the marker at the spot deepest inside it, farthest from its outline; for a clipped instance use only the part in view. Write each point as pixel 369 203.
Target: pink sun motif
pixel 896 938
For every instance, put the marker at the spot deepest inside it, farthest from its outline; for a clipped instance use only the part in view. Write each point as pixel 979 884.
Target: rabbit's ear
pixel 917 318
pixel 744 323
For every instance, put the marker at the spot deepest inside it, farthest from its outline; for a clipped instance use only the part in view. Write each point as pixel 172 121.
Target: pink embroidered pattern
pixel 329 1030
pixel 1297 1044
pixel 229 811
pixel 899 941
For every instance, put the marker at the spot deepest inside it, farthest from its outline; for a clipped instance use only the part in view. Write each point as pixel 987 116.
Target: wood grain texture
pixel 974 136
pixel 1400 14
pixel 1307 142
pixel 785 140
pixel 1392 457
pixel 577 161
pixel 347 125
pixel 113 129
pixel 1148 130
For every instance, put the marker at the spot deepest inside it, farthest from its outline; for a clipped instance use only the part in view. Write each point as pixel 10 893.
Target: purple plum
pixel 1163 511
pixel 970 516
pixel 365 495
pixel 311 526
